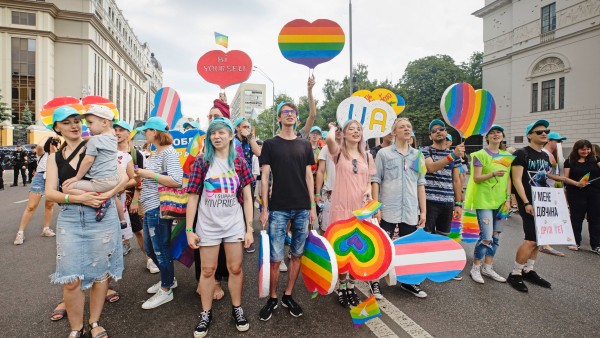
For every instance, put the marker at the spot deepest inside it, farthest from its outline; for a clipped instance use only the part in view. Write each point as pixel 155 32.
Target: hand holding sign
pixel 376 117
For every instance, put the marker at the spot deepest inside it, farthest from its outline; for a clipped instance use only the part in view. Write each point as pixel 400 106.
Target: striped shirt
pixel 167 160
pixel 439 187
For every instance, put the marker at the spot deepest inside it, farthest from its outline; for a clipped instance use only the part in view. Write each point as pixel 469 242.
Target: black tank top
pixel 65 170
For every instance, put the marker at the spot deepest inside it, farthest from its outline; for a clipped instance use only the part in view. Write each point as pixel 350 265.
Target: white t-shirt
pixel 124 158
pixel 219 213
pixel 255 166
pixel 41 167
pixel 329 178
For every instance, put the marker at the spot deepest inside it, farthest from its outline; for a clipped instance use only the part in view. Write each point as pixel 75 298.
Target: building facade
pixel 74 48
pixel 541 62
pixel 248 101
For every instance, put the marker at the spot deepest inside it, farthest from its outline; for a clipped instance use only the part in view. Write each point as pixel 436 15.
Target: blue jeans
pixel 157 237
pixel 488 224
pixel 278 220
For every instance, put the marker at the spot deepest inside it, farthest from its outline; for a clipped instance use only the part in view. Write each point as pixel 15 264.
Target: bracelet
pixel 526 204
pixel 134 201
pixel 156 177
pixel 317 195
pixel 189 230
pixel 507 196
pixel 458 204
pixel 451 157
pixel 67 198
pixel 313 205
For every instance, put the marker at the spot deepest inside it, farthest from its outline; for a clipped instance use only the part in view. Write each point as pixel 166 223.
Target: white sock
pixel 517 269
pixel 476 267
pixel 529 265
pixel 487 267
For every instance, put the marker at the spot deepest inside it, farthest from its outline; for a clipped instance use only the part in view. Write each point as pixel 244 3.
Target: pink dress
pixel 349 187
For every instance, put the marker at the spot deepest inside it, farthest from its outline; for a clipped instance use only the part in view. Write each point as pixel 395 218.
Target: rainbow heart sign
pixel 99 100
pixel 311 44
pixel 318 265
pixel 376 117
pixel 394 100
pixel 264 268
pixel 49 107
pixel 361 248
pixel 469 230
pixel 224 69
pixel 471 112
pixel 167 105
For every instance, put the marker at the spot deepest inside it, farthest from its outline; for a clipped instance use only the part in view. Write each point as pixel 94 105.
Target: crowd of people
pixel 109 193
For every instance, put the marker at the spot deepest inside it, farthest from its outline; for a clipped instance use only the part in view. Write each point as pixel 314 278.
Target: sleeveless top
pixel 65 170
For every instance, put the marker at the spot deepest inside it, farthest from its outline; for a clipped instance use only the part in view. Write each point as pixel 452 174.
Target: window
pixel 518 139
pixel 21 18
pixel 23 76
pixel 534 97
pixel 548 95
pixel 110 84
pixel 549 18
pixel 561 93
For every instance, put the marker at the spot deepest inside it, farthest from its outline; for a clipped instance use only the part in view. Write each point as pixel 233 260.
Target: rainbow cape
pixel 365 311
pixel 585 179
pixel 368 210
pixel 503 212
pixel 180 250
pixel 505 160
pixel 418 165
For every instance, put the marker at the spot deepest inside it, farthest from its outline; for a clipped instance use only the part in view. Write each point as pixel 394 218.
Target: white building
pixel 541 62
pixel 248 101
pixel 74 48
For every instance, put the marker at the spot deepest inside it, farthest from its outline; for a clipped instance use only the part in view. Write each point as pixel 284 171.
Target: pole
pixel 262 72
pixel 350 80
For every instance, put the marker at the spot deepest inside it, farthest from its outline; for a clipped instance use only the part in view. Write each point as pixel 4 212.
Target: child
pixel 99 167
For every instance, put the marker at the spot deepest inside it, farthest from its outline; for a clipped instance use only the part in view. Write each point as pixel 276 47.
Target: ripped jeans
pixel 157 237
pixel 489 230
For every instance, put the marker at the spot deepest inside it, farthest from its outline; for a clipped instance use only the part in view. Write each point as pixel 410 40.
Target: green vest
pixel 491 193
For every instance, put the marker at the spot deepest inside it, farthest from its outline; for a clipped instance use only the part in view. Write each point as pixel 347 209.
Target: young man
pixel 325 181
pixel 530 168
pixel 289 158
pixel 19 166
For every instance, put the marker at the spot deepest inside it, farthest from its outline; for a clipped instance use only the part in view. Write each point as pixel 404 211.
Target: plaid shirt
pixel 200 168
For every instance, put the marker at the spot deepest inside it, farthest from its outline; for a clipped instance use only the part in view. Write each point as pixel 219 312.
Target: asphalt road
pixel 453 309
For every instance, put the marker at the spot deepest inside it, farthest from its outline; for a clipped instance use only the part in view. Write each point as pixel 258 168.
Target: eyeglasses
pixel 540 132
pixel 355 166
pixel 288 111
pixel 433 131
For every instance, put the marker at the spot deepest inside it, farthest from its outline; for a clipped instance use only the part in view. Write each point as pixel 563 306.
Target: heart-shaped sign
pixel 319 265
pixel 376 117
pixel 311 44
pixel 167 105
pixel 394 100
pixel 471 112
pixel 225 69
pixel 264 271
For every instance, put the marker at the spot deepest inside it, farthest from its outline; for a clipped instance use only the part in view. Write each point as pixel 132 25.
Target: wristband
pixel 134 201
pixel 451 157
pixel 317 195
pixel 189 230
pixel 526 204
pixel 507 196
pixel 67 198
pixel 313 205
pixel 458 204
pixel 156 177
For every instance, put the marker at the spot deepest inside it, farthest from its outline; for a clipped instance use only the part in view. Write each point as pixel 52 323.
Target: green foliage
pixel 5 111
pixel 472 70
pixel 27 117
pixel 267 120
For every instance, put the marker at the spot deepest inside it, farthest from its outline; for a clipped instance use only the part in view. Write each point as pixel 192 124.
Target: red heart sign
pixel 225 69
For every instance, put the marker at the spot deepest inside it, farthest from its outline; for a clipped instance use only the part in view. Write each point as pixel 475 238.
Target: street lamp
pixel 262 72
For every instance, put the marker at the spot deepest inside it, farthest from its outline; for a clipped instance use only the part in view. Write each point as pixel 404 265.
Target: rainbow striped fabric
pixel 167 105
pixel 365 311
pixel 503 159
pixel 503 212
pixel 419 164
pixel 585 179
pixel 318 265
pixel 264 270
pixel 221 39
pixel 470 227
pixel 368 210
pixel 471 112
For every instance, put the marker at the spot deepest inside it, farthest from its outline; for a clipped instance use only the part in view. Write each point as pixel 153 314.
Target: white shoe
pixel 282 267
pixel 476 274
pixel 158 299
pixel 152 267
pixel 154 288
pixel 21 237
pixel 47 232
pixel 489 272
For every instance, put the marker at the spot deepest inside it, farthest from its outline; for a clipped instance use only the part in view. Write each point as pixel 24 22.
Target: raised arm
pixel 312 108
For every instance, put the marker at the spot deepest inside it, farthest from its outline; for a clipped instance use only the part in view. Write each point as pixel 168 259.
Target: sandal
pixel 113 297
pixel 76 333
pixel 58 314
pixel 94 325
pixel 573 247
pixel 552 251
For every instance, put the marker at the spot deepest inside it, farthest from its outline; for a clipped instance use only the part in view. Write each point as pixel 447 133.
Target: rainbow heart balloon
pixel 471 112
pixel 318 265
pixel 311 44
pixel 361 248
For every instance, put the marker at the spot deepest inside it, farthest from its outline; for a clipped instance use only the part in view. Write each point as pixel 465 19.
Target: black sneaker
pixel 342 297
pixel 289 303
pixel 201 329
pixel 516 281
pixel 267 310
pixel 375 291
pixel 241 323
pixel 534 278
pixel 353 297
pixel 415 290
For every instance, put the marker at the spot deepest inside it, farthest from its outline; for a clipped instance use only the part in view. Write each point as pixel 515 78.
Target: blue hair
pixel 209 149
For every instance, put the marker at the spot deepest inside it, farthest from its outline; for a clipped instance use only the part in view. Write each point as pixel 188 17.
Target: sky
pixel 386 36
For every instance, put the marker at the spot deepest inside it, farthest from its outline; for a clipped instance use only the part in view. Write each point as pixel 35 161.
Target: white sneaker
pixel 476 274
pixel 47 232
pixel 158 299
pixel 489 272
pixel 282 267
pixel 154 288
pixel 152 267
pixel 21 237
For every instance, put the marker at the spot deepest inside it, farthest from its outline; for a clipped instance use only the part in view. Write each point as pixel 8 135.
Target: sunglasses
pixel 355 166
pixel 288 111
pixel 540 132
pixel 433 131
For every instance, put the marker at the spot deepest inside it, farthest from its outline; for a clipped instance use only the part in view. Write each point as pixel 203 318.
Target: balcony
pixel 547 37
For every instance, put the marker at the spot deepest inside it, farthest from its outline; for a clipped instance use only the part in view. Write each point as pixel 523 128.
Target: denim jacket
pixel 398 185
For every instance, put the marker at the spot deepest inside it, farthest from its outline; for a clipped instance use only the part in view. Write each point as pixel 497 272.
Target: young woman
pixel 219 187
pixel 353 169
pixel 46 147
pixel 487 191
pixel 584 198
pixel 164 169
pixel 82 261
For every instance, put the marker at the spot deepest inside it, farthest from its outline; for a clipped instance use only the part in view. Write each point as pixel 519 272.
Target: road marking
pixel 23 201
pixel 399 317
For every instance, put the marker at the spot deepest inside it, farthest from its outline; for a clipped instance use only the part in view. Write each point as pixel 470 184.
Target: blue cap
pixel 280 105
pixel 63 113
pixel 554 136
pixel 436 122
pixel 238 121
pixel 317 129
pixel 324 134
pixel 495 127
pixel 449 137
pixel 535 124
pixel 192 124
pixel 123 124
pixel 223 120
pixel 156 123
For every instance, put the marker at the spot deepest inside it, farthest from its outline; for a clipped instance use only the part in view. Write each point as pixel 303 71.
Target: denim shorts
pixel 38 184
pixel 87 250
pixel 216 241
pixel 278 220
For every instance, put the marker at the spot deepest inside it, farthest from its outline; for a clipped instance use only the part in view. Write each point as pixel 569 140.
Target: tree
pixel 5 111
pixel 27 116
pixel 472 70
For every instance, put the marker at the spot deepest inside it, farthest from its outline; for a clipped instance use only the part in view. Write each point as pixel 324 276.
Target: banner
pixel 552 220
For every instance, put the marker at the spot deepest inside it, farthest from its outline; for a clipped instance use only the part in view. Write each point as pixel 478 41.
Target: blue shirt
pixel 439 187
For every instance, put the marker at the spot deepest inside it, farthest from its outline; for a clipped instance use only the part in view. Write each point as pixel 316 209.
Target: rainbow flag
pixel 180 249
pixel 470 227
pixel 365 311
pixel 455 227
pixel 585 179
pixel 193 150
pixel 221 39
pixel 368 210
pixel 505 160
pixel 503 212
pixel 418 165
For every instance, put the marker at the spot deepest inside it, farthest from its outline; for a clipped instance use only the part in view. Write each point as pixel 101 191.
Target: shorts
pixel 38 184
pixel 98 184
pixel 278 220
pixel 403 229
pixel 439 217
pixel 216 241
pixel 528 223
pixel 136 222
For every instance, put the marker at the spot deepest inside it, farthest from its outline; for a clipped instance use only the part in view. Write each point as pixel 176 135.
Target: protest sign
pixel 225 69
pixel 552 220
pixel 376 117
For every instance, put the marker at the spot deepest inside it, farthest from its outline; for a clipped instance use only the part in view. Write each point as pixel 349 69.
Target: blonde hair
pixel 362 144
